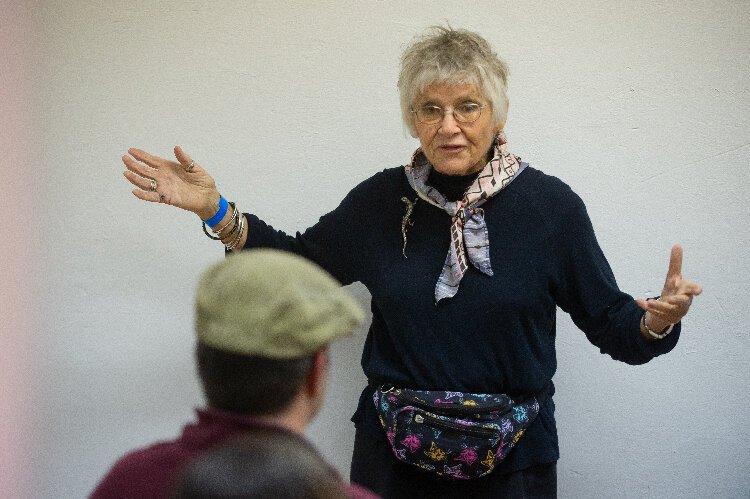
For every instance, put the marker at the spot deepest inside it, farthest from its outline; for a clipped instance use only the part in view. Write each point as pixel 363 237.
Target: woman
pixel 466 252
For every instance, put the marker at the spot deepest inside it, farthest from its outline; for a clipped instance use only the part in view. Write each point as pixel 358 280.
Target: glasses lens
pixel 429 114
pixel 467 112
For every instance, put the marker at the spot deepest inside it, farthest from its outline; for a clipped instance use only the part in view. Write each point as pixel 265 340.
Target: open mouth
pixel 452 149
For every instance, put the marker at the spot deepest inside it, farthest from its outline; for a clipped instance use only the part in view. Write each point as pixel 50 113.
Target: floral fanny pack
pixel 454 434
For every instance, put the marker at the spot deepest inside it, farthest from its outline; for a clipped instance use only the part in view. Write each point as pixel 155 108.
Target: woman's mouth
pixel 452 148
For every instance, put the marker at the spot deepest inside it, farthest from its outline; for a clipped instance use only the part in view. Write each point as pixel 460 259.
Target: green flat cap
pixel 273 304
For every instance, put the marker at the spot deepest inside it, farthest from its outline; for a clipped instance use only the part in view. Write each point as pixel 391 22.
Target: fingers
pixel 153 161
pixel 182 156
pixel 146 195
pixel 690 288
pixel 675 262
pixel 642 303
pixel 138 168
pixel 139 175
pixel 671 310
pixel 659 307
pixel 186 161
pixel 142 183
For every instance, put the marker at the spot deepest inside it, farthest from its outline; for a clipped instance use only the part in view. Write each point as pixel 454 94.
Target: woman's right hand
pixel 193 190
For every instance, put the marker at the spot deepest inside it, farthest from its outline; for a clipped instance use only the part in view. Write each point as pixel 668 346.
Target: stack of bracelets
pixel 231 232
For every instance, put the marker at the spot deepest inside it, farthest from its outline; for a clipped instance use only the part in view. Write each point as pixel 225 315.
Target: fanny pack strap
pixel 541 395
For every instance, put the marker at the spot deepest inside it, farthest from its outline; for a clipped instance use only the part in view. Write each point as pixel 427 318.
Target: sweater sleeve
pixel 587 290
pixel 336 242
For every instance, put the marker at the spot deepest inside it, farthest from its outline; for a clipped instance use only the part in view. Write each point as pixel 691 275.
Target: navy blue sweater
pixel 497 335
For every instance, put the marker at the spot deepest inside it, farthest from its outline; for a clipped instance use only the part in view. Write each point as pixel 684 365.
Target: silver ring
pixel 189 167
pixel 153 185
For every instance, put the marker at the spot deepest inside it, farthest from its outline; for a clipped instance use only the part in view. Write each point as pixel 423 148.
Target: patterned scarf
pixel 469 237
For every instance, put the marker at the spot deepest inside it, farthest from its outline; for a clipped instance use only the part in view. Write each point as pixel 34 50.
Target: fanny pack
pixel 454 434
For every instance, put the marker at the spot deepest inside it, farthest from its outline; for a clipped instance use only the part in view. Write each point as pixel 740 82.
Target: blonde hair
pixel 453 56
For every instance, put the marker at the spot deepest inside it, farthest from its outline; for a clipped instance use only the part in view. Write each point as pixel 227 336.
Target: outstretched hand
pixel 182 183
pixel 676 296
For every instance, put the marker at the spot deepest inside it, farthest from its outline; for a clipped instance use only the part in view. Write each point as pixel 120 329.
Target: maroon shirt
pixel 151 472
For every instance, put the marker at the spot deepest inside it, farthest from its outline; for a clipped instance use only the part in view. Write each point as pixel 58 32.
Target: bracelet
pixel 236 222
pixel 653 333
pixel 233 218
pixel 235 227
pixel 209 235
pixel 241 226
pixel 219 231
pixel 223 207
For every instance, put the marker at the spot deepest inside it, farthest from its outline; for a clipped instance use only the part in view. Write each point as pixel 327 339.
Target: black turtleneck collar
pixel 452 187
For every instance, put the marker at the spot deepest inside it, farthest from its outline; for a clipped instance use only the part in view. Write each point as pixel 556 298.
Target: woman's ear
pixel 501 125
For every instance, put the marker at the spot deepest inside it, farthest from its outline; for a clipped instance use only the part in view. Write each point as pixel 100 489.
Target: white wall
pixel 643 107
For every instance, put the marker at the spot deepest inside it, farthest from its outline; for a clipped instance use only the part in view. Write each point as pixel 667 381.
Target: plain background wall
pixel 642 107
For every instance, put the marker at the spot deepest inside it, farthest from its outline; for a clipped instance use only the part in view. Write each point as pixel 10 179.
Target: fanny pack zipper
pixel 432 420
pixel 448 409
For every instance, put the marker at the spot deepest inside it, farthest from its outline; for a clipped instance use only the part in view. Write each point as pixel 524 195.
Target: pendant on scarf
pixel 406 221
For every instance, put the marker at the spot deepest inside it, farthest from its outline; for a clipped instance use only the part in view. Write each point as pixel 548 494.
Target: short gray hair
pixel 453 56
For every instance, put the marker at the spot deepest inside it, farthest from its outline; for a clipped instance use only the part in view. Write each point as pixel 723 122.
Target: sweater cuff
pixel 658 347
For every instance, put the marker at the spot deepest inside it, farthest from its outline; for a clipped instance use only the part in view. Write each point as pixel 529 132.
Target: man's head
pixel 264 319
pixel 261 463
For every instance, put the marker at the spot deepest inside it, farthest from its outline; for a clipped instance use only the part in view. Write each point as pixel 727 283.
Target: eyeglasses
pixel 431 114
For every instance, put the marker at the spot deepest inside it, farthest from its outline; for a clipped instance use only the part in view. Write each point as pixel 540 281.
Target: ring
pixel 153 185
pixel 189 167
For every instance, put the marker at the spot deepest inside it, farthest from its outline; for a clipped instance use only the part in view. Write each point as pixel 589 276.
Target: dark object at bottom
pixel 375 467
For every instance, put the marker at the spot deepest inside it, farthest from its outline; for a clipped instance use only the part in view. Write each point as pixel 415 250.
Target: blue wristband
pixel 223 207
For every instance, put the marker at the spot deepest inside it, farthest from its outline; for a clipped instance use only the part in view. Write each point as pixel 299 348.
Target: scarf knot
pixel 469 241
pixel 464 214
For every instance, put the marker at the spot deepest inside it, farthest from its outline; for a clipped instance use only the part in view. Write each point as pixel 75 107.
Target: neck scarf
pixel 469 237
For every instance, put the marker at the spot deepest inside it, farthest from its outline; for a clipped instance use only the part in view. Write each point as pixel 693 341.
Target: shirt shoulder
pixel 379 194
pixel 546 191
pixel 389 179
pixel 548 198
pixel 147 472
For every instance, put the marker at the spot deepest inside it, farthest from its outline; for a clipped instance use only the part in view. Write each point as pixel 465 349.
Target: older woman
pixel 466 251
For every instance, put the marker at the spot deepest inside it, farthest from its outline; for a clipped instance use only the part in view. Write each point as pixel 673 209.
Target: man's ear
pixel 318 377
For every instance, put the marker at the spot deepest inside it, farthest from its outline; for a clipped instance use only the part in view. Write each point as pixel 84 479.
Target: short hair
pixel 453 56
pixel 249 384
pixel 261 463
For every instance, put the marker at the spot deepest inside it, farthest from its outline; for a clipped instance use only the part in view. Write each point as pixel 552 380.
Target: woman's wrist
pixel 652 328
pixel 216 219
pixel 211 206
pixel 656 324
pixel 228 225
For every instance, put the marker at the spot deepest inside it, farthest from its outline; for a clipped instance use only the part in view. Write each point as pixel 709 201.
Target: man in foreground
pixel 264 320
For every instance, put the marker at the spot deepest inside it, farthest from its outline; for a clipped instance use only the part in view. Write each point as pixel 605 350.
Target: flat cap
pixel 272 304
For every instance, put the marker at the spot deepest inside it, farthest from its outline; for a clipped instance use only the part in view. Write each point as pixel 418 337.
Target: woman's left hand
pixel 676 297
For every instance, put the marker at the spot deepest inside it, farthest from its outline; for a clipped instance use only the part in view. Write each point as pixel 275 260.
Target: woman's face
pixel 455 148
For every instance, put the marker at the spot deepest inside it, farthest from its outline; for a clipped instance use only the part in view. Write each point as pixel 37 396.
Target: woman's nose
pixel 448 124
